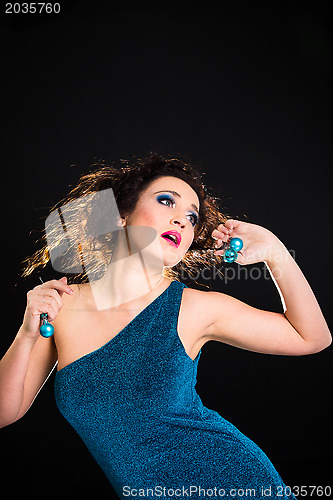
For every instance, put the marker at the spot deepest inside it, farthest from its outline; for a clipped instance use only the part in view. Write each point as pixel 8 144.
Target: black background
pixel 241 91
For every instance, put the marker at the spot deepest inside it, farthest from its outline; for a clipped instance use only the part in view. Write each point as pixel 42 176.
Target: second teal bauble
pixel 230 255
pixel 236 244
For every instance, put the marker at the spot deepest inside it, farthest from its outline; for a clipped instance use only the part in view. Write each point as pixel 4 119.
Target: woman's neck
pixel 129 276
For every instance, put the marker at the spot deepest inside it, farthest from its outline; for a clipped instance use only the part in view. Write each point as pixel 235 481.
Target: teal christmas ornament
pixel 236 243
pixel 230 255
pixel 234 246
pixel 46 329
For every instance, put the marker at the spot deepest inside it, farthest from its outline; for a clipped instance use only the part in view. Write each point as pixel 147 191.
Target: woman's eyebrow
pixel 176 194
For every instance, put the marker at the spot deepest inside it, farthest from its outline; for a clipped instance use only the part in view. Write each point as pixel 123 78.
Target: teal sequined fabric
pixel 134 404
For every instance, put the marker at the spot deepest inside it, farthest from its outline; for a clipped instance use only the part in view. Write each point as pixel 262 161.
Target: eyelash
pixel 169 198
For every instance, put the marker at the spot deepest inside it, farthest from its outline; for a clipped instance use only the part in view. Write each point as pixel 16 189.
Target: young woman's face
pixel 171 207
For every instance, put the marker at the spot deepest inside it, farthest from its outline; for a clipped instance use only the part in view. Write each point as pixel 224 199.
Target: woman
pixel 128 352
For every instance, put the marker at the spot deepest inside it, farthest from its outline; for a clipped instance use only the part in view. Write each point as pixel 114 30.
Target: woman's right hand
pixel 45 298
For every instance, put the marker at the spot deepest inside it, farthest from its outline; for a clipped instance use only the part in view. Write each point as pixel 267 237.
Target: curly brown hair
pixel 128 180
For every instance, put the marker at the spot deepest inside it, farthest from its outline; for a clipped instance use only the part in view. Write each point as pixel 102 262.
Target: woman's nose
pixel 179 221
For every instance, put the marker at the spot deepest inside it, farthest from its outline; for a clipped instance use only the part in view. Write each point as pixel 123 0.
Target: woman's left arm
pixel 301 329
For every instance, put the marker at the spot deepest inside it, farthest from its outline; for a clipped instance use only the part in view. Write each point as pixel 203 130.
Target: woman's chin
pixel 168 255
pixel 171 260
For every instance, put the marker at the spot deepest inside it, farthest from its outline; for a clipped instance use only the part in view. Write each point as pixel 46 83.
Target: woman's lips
pixel 172 237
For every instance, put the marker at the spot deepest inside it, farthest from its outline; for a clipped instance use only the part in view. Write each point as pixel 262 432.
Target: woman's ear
pixel 122 222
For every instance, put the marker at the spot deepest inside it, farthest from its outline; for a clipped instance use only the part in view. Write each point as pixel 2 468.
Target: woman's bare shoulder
pixel 193 306
pixel 196 297
pixel 81 292
pixel 71 304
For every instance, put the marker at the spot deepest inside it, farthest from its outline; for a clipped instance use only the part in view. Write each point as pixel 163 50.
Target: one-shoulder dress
pixel 133 402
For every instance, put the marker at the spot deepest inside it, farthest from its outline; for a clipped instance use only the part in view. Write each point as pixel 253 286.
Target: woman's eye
pixel 193 218
pixel 164 198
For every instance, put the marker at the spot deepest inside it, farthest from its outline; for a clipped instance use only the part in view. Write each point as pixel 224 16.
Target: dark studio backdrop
pixel 244 93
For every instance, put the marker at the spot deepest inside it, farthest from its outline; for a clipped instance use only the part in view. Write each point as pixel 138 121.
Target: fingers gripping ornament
pixel 231 252
pixel 46 329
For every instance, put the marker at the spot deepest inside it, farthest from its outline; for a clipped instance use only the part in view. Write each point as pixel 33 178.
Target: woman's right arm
pixel 30 359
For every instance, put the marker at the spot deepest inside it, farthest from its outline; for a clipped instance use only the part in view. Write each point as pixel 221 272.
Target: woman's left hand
pixel 260 244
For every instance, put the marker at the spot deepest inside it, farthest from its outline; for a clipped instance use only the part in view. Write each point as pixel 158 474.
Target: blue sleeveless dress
pixel 134 404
